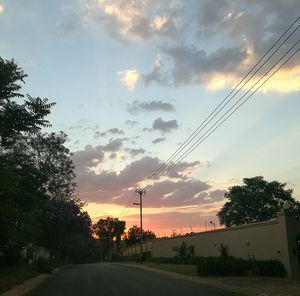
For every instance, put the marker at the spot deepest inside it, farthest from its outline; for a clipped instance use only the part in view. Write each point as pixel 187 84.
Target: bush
pixel 230 266
pixel 272 268
pixel 43 265
pixel 222 266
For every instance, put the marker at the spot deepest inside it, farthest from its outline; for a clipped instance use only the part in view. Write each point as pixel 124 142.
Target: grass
pixel 11 276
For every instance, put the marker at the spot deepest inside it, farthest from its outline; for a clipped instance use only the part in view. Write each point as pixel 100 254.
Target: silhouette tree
pixel 37 188
pixel 133 235
pixel 109 230
pixel 254 201
pixel 18 118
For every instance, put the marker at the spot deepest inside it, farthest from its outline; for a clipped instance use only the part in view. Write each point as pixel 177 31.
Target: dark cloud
pixel 250 27
pixel 216 195
pixel 258 22
pixel 138 19
pixel 86 158
pixel 75 127
pixel 194 66
pixel 96 127
pixel 146 129
pixel 158 140
pixel 115 131
pixel 176 190
pixel 69 27
pixel 131 123
pixel 114 145
pixel 98 135
pixel 164 126
pixel 183 169
pixel 136 106
pixel 134 152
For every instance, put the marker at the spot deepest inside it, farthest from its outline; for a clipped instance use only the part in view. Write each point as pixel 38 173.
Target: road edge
pixel 27 286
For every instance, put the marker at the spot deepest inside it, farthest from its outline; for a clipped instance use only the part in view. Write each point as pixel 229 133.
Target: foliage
pixel 133 235
pixel 109 230
pixel 37 188
pixel 43 265
pixel 65 228
pixel 184 252
pixel 255 201
pixel 15 119
pixel 267 268
pixel 230 266
pixel 223 250
pixel 222 266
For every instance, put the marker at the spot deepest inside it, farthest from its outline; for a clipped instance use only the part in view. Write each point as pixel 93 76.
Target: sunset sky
pixel 133 79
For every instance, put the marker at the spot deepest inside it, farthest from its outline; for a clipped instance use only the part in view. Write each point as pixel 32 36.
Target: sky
pixel 133 79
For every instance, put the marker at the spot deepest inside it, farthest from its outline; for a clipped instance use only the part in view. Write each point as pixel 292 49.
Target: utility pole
pixel 141 193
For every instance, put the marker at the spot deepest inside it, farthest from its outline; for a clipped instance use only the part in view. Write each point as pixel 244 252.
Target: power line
pixel 216 125
pixel 201 127
pixel 150 181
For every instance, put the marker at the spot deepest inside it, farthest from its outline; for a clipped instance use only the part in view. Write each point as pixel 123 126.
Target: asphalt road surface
pixel 108 279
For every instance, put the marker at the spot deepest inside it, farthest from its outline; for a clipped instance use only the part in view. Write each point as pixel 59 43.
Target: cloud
pixel 98 135
pixel 249 27
pixel 130 20
pixel 113 145
pixel 131 123
pixel 183 169
pixel 69 27
pixel 129 78
pixel 164 126
pixel 195 66
pixel 136 106
pixel 115 131
pixel 159 74
pixel 146 129
pixel 89 157
pixel 174 190
pixel 158 140
pixel 134 152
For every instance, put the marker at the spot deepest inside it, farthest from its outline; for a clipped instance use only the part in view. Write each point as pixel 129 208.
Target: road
pixel 108 279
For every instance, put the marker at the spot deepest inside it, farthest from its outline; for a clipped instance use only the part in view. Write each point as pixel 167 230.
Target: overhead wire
pixel 216 125
pixel 232 93
pixel 163 169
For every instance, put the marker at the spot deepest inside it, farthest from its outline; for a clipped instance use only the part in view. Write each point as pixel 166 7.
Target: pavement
pixel 108 279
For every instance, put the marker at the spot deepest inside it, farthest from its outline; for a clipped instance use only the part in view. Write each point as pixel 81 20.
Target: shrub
pixel 230 266
pixel 222 266
pixel 43 265
pixel 268 268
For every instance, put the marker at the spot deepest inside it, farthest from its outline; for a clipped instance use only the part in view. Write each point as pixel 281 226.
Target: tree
pixel 66 229
pixel 109 230
pixel 37 188
pixel 134 235
pixel 20 201
pixel 255 201
pixel 18 118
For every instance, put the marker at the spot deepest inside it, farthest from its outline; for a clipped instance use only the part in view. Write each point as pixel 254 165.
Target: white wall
pixel 275 239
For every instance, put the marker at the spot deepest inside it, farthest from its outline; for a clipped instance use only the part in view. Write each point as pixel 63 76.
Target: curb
pixel 30 284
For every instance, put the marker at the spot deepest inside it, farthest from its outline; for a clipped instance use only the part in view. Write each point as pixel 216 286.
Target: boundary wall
pixel 274 239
